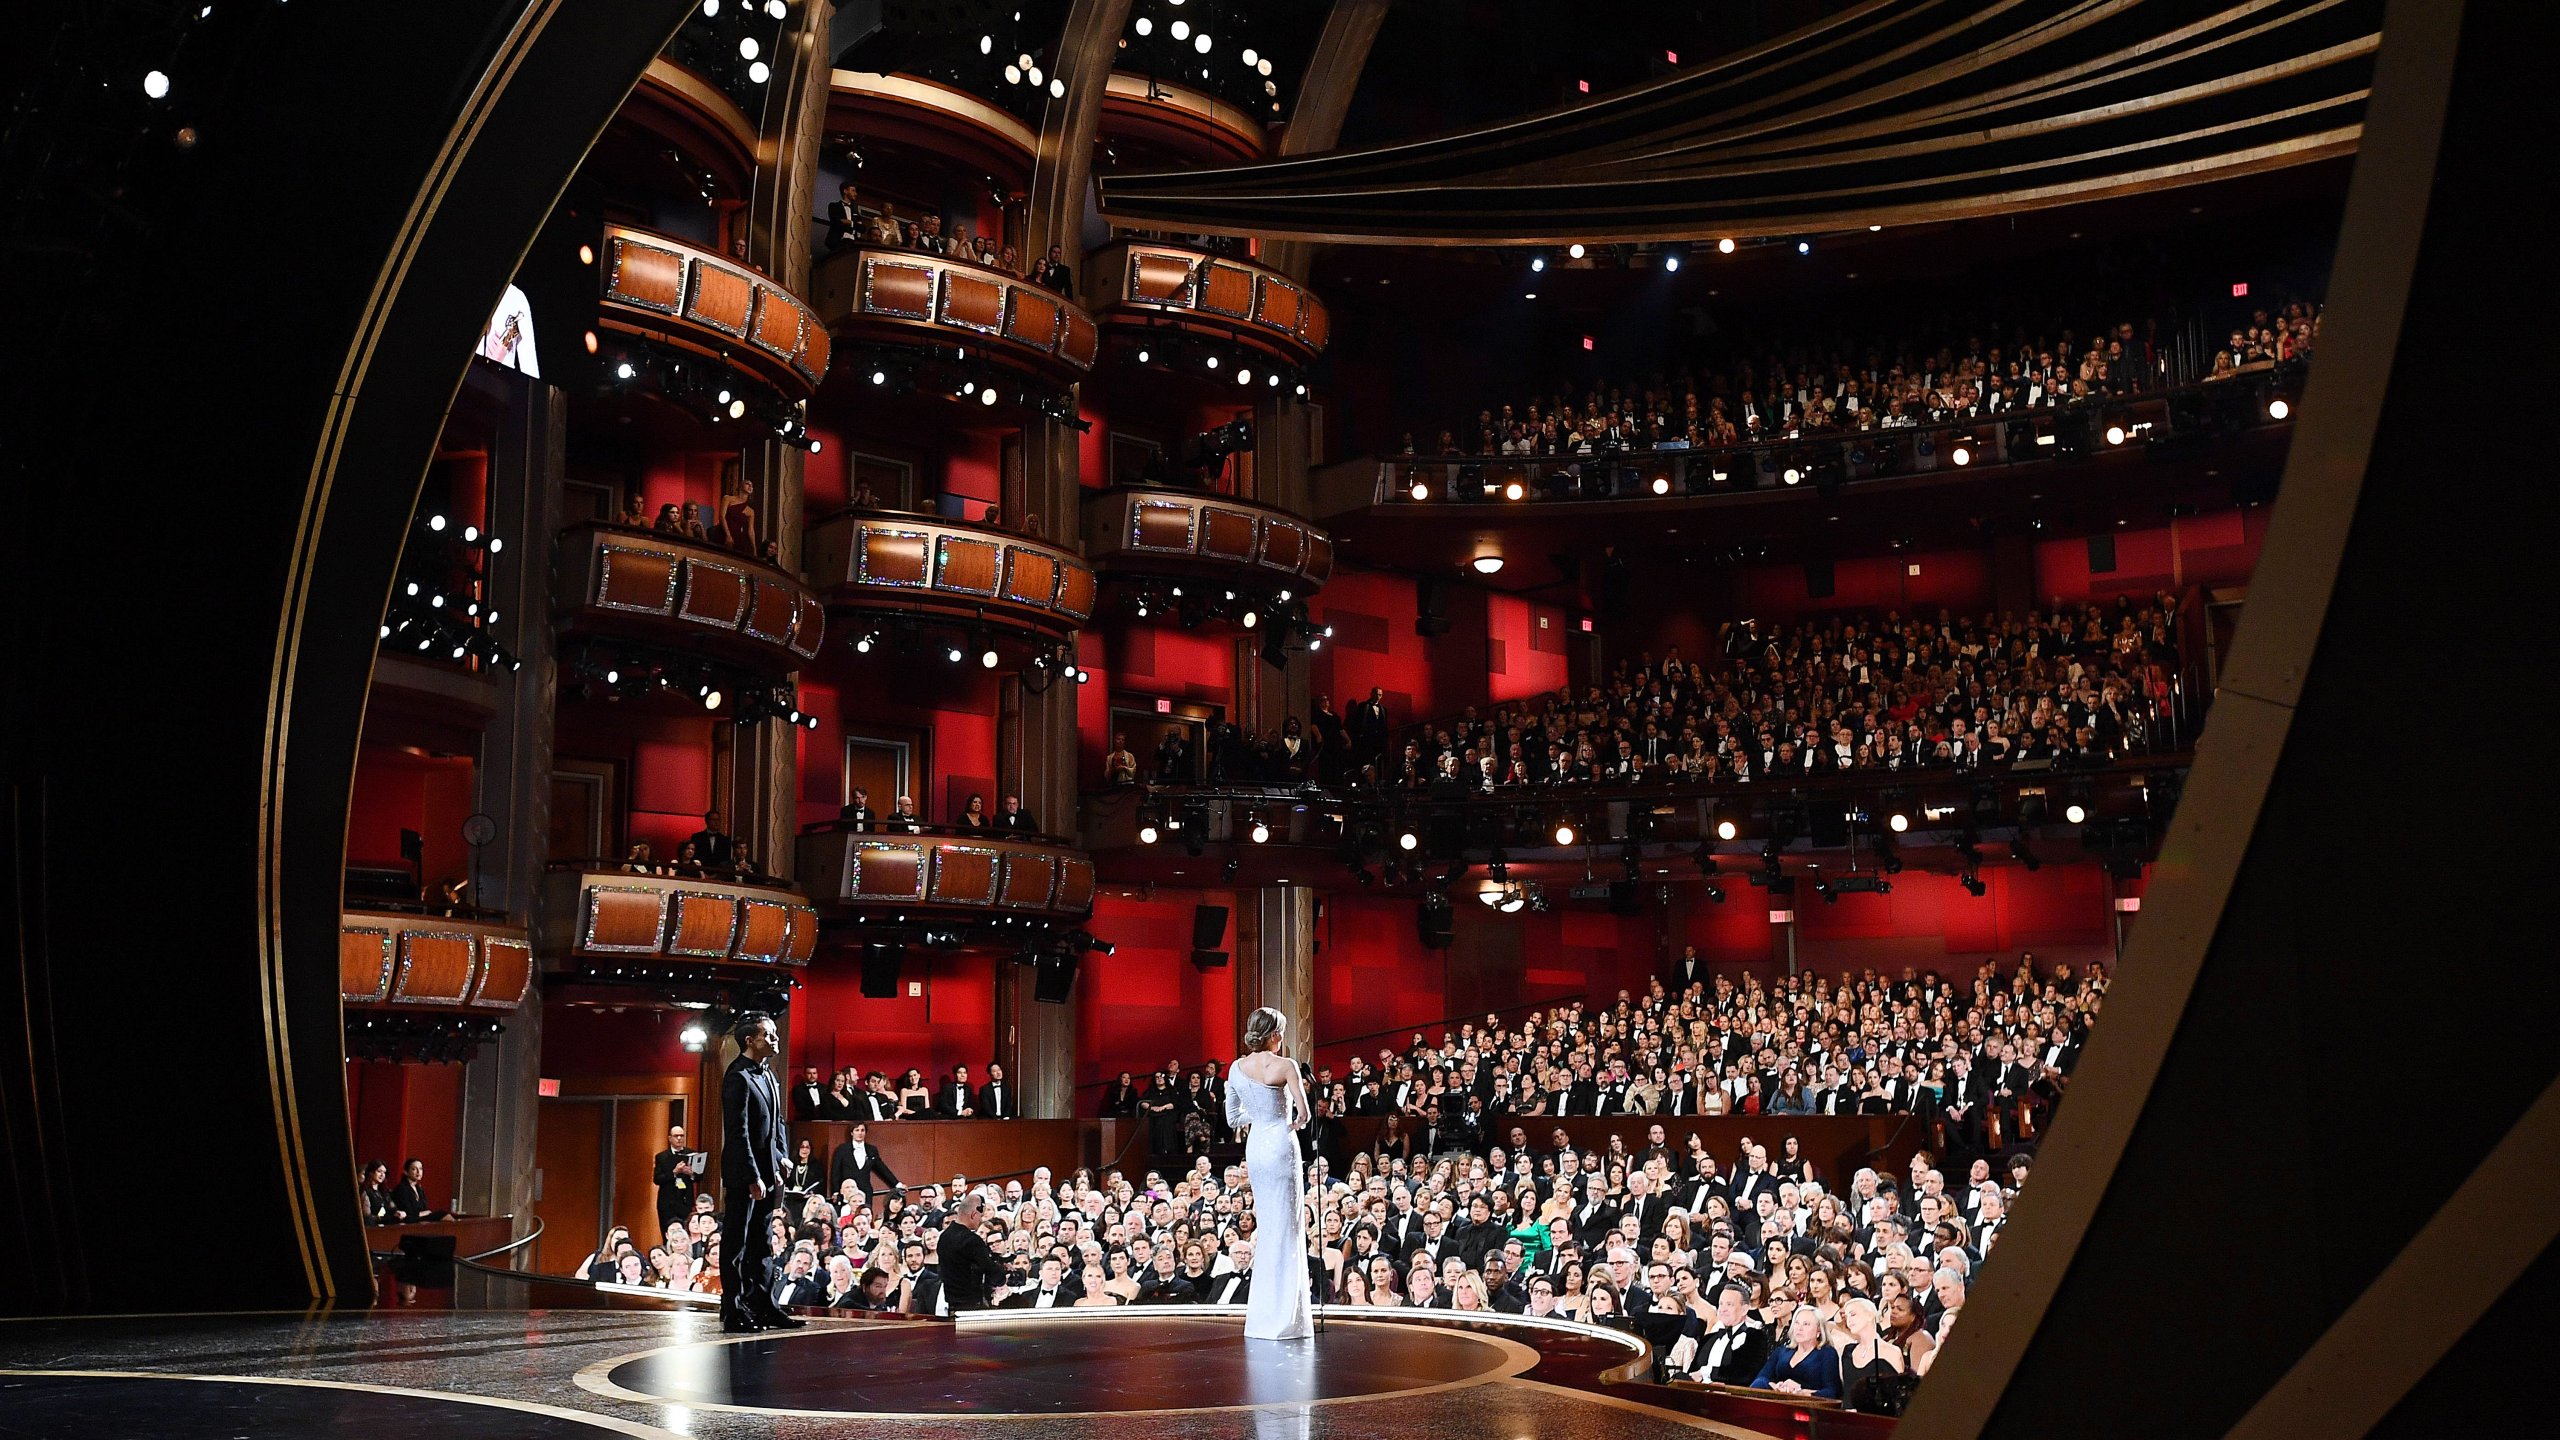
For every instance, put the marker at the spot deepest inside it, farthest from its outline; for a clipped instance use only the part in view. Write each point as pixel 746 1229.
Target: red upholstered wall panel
pixel 1146 1003
pixel 1530 641
pixel 578 1041
pixel 396 790
pixel 971 469
pixel 1374 644
pixel 951 1023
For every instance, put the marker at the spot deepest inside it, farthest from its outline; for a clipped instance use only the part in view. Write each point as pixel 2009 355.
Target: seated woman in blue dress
pixel 1806 1364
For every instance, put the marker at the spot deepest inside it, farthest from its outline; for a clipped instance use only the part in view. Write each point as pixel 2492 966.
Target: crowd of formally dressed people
pixel 851 221
pixel 1848 386
pixel 709 853
pixel 1754 1268
pixel 2076 686
pixel 859 812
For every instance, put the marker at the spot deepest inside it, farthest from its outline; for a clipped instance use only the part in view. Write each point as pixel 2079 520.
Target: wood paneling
pixel 641 584
pixel 863 868
pixel 930 1152
pixel 667 291
pixel 907 297
pixel 391 960
pixel 610 913
pixel 1144 284
pixel 978 574
pixel 436 967
pixel 1141 531
pixel 568 1148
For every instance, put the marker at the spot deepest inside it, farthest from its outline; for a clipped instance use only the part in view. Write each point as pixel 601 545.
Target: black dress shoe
pixel 779 1319
pixel 739 1324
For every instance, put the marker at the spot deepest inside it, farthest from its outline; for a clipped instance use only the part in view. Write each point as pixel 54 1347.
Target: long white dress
pixel 1278 1306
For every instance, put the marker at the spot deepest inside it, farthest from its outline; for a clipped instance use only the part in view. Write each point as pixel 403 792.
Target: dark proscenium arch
pixel 238 425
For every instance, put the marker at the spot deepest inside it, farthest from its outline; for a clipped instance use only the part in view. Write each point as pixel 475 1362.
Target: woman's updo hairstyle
pixel 1260 1026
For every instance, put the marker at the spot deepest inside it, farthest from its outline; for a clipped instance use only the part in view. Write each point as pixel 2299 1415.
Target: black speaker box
pixel 881 962
pixel 1208 926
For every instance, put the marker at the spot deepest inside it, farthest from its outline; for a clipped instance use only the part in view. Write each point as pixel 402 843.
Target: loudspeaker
pixel 1209 959
pixel 1208 926
pixel 1819 582
pixel 1431 605
pixel 1434 921
pixel 881 960
pixel 1053 978
pixel 1623 899
pixel 2102 554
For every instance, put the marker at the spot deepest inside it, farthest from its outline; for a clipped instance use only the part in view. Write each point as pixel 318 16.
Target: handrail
pixel 1723 464
pixel 428 910
pixel 668 869
pixel 721 547
pixel 1452 1020
pixel 884 824
pixel 538 1224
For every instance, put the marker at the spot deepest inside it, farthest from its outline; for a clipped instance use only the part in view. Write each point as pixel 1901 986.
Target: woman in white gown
pixel 1266 1103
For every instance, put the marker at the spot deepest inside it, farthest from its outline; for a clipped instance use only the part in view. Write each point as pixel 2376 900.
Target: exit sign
pixel 2240 292
pixel 1163 706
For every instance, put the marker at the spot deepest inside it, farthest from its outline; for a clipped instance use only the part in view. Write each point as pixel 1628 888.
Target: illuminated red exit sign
pixel 1163 706
pixel 2240 292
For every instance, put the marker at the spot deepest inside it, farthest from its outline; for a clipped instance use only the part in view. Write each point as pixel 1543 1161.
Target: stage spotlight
pixel 987 397
pixel 710 699
pixel 1804 247
pixel 1515 491
pixel 759 72
pixel 1725 246
pixel 1897 822
pixel 1792 476
pixel 987 658
pixel 2075 812
pixel 2278 408
pixel 1727 830
pixel 1407 840
pixel 613 677
pixel 695 1037
pixel 2115 434
pixel 1142 355
pixel 434 522
pixel 1661 484
pixel 862 644
pixel 954 654
pixel 1512 900
pixel 1972 883
pixel 1671 263
pixel 1537 264
pixel 1574 250
pixel 624 371
pixel 2023 855
pixel 748 49
pixel 1419 491
pixel 1564 832
pixel 737 409
pixel 156 85
pixel 1259 833
pixel 1962 455
pixel 496 545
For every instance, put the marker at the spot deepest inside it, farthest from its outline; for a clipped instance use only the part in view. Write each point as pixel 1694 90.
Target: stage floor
pixel 556 1374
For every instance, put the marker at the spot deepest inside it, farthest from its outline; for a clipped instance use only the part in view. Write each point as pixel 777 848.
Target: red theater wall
pixel 1374 645
pixel 396 789
pixel 944 1014
pixel 1146 662
pixel 395 1112
pixel 1146 1003
pixel 1376 982
pixel 1929 922
pixel 956 721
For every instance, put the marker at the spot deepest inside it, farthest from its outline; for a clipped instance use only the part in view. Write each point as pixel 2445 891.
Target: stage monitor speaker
pixel 1208 926
pixel 1053 978
pixel 1819 582
pixel 1435 922
pixel 881 961
pixel 1209 959
pixel 2102 554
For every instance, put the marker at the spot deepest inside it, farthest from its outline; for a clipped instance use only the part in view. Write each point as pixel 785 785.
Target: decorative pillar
pixel 1088 47
pixel 1275 960
pixel 1324 97
pixel 512 786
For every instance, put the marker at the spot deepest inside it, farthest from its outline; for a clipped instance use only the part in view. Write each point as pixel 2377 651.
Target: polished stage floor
pixel 547 1374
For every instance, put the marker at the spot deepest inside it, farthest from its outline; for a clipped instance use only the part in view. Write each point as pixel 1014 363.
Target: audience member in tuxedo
pixel 1163 1283
pixel 1367 726
pixel 374 1193
pixel 845 219
pixel 1235 1286
pixel 1731 1351
pixel 929 237
pixel 904 817
pixel 802 1282
pixel 875 1100
pixel 1055 1290
pixel 809 1097
pixel 676 1179
pixel 712 847
pixel 857 1161
pixel 954 1099
pixel 997 1099
pixel 1014 820
pixel 857 812
pixel 1173 757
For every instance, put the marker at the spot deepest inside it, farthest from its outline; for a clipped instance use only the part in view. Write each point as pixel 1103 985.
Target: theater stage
pixel 550 1374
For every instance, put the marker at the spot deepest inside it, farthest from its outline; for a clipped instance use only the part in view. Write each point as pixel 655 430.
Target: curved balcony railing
pixel 878 561
pixel 1146 285
pixel 600 910
pixel 404 960
pixel 616 581
pixel 913 112
pixel 1142 531
pixel 663 289
pixel 911 297
pixel 898 875
pixel 1818 461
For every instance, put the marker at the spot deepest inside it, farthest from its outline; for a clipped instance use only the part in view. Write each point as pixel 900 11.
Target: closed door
pixel 569 1148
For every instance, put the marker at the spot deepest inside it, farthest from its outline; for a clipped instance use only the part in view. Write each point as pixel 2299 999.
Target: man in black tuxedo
pixel 1404 1227
pixel 673 1170
pixel 857 812
pixel 1686 971
pixel 859 1161
pixel 752 1159
pixel 809 1097
pixel 1054 1292
pixel 875 1102
pixel 1055 275
pixel 844 219
pixel 1013 819
pixel 1236 1286
pixel 712 845
pixel 1734 1349
pixel 954 1099
pixel 971 1270
pixel 996 1098
pixel 409 1197
pixel 1367 724
pixel 1648 1207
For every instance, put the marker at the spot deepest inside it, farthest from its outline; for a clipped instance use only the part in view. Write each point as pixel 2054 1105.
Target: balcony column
pixel 1062 171
pixel 764 780
pixel 1036 759
pixel 512 786
pixel 1324 97
pixel 1285 443
pixel 1275 959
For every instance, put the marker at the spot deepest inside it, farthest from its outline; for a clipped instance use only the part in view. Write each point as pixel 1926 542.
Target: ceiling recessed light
pixel 1487 564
